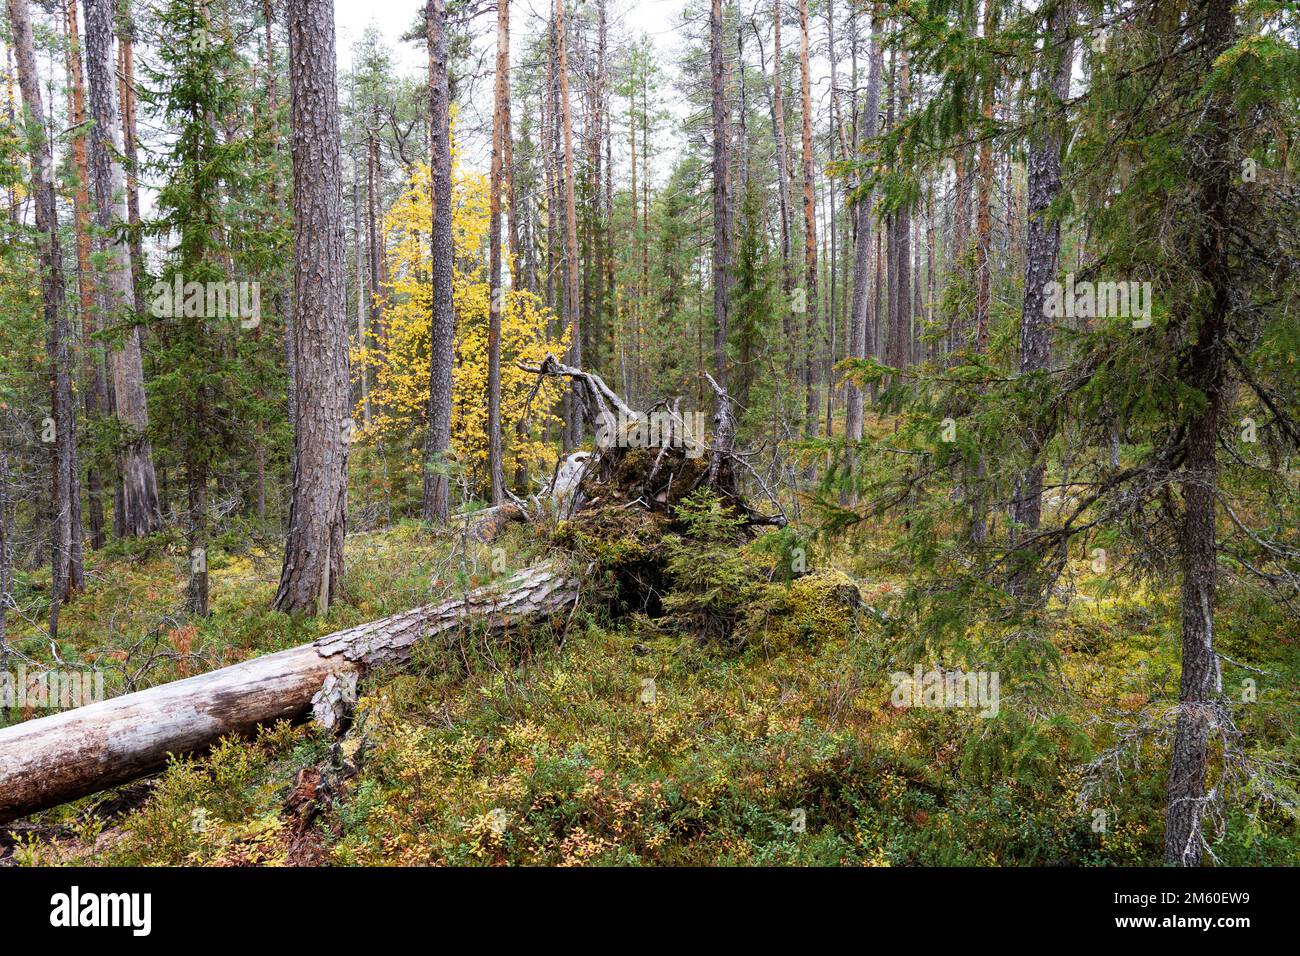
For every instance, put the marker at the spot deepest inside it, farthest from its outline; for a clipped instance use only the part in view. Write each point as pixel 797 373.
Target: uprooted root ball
pixel 691 572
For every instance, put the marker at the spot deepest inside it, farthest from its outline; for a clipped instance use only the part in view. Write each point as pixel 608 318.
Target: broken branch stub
pixel 671 472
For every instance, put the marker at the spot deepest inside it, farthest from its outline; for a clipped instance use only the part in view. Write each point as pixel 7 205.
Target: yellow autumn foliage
pixel 398 358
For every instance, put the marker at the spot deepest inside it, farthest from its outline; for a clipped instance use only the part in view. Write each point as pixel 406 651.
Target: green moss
pixel 788 709
pixel 822 606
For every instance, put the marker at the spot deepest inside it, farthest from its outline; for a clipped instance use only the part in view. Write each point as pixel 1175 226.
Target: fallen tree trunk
pixel 484 526
pixel 59 758
pixel 55 759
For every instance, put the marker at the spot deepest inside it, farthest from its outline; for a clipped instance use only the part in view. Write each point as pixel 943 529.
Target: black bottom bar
pixel 341 907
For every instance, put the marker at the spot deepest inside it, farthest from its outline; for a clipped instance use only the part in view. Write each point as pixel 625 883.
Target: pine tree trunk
pixel 608 307
pixel 810 230
pixel 550 185
pixel 138 502
pixel 512 199
pixel 92 384
pixel 358 249
pixel 721 201
pixel 76 558
pixel 984 211
pixel 587 225
pixel 860 335
pixel 1042 248
pixel 375 243
pixel 899 350
pixel 126 58
pixel 65 541
pixel 437 481
pixel 834 138
pixel 601 332
pixel 782 172
pixel 500 133
pixel 577 414
pixel 313 554
pixel 645 221
pixel 635 304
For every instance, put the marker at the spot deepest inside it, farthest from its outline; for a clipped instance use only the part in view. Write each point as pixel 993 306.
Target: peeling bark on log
pixel 55 759
pixel 484 526
pixel 535 593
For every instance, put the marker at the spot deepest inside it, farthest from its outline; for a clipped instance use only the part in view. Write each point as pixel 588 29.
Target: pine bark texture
pixel 782 172
pixel 1042 246
pixel 721 199
pixel 94 395
pixel 130 152
pixel 859 329
pixel 65 544
pixel 313 556
pixel 810 229
pixel 576 415
pixel 437 482
pixel 500 134
pixel 138 502
pixel 54 759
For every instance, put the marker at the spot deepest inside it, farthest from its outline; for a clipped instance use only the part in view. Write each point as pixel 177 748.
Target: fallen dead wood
pixel 59 758
pixel 484 526
pixel 620 429
pixel 54 759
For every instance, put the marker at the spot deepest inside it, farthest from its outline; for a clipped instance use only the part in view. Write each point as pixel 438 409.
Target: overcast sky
pixel 658 19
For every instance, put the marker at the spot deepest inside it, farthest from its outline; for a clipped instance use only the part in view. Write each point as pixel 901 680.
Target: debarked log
pixel 52 760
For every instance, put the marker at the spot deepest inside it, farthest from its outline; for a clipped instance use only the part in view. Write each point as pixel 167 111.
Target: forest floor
pixel 617 741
